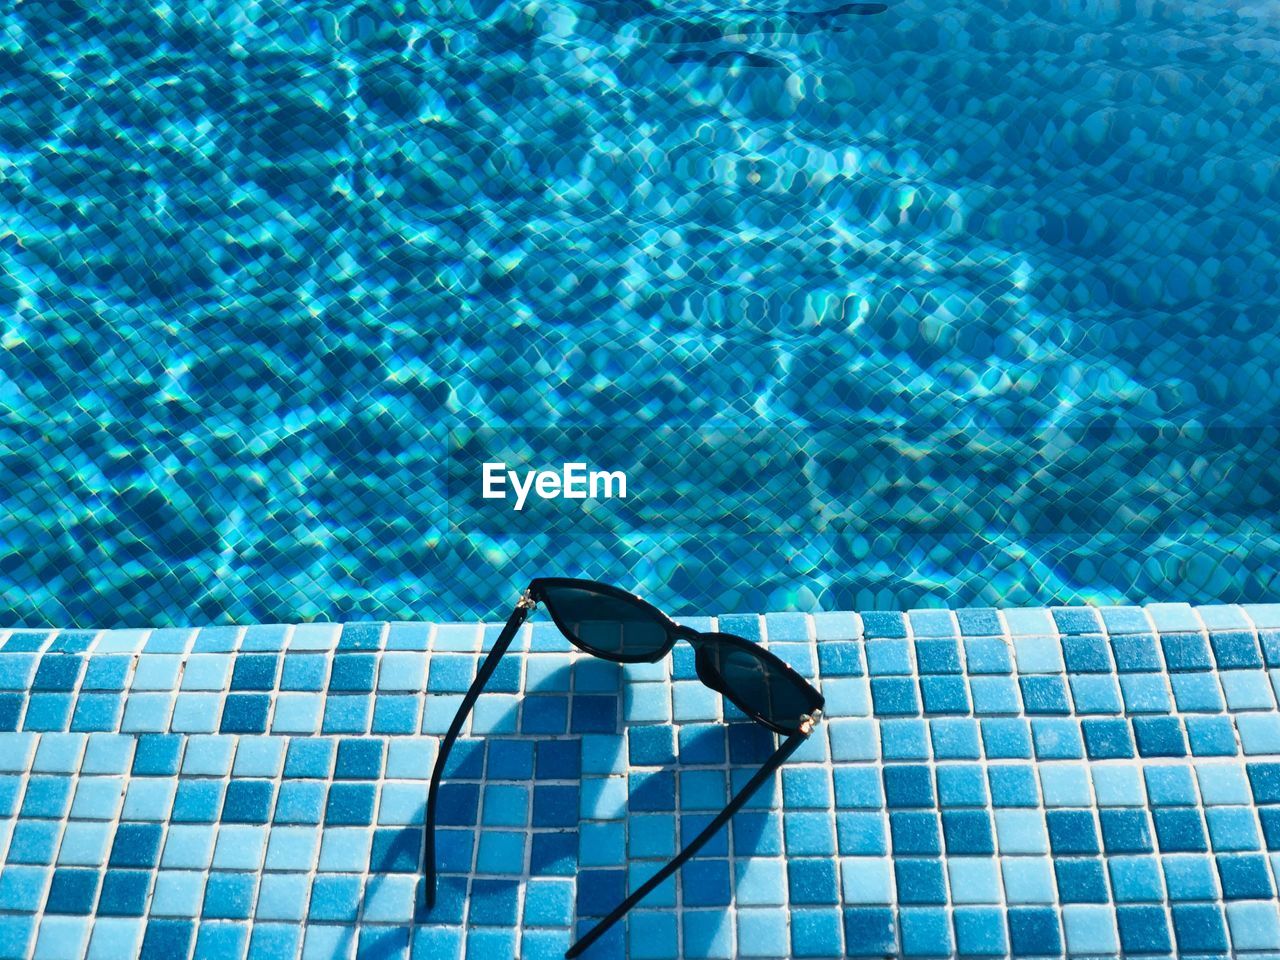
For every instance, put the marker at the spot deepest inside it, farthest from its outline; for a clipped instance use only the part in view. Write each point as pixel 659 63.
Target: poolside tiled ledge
pixel 1032 782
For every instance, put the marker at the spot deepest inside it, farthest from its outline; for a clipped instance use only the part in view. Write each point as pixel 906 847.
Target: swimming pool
pixel 992 284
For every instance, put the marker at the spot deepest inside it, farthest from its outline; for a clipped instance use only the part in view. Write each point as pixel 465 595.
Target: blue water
pixel 992 284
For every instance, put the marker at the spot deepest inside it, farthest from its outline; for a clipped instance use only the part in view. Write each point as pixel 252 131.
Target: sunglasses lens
pixel 604 624
pixel 759 686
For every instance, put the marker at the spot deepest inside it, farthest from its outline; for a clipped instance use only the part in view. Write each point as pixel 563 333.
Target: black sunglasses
pixel 619 626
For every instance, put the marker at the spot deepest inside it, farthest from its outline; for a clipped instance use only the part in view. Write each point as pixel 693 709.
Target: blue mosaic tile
pixel 1254 926
pixel 1064 784
pixel 955 738
pixel 970 795
pixel 979 622
pixel 1073 620
pixel 1022 622
pixel 933 623
pixel 902 739
pixel 297 713
pixel 1123 620
pixel 217 639
pixel 59 672
pixel 1136 653
pixel 303 672
pixel 883 624
pixel 1264 616
pixel 988 655
pixel 836 625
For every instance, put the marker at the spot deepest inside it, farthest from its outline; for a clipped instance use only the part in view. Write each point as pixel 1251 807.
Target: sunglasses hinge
pixel 526 601
pixel 808 721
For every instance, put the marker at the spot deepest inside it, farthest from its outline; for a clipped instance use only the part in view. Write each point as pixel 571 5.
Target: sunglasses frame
pixel 675 633
pixel 528 601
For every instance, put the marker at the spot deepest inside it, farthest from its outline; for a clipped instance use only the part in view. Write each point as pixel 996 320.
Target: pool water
pixel 991 285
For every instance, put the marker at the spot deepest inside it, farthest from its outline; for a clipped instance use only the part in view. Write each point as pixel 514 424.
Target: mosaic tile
pixel 970 795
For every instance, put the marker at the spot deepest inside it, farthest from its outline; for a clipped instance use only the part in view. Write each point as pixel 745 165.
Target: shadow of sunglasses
pixel 610 623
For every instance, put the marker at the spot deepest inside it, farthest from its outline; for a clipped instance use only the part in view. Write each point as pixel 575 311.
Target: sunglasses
pixel 610 623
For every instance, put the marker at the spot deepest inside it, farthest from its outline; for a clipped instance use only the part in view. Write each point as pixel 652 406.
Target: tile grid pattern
pixel 1024 782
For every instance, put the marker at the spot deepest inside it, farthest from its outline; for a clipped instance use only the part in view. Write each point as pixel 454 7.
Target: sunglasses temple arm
pixel 762 775
pixel 518 617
